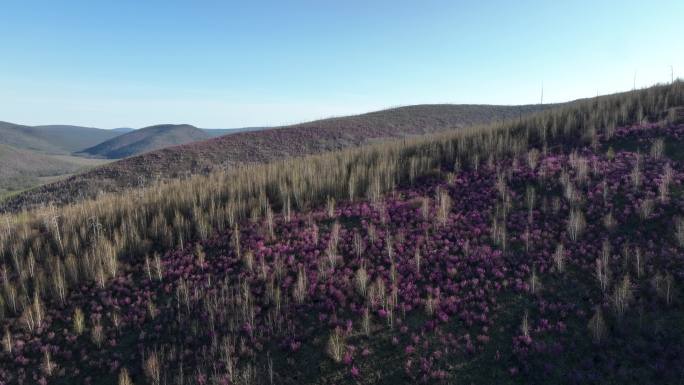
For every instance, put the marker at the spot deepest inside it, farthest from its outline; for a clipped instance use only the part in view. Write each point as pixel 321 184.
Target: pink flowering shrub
pixel 419 292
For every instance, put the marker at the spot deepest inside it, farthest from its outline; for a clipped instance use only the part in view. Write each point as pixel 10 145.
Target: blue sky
pixel 231 64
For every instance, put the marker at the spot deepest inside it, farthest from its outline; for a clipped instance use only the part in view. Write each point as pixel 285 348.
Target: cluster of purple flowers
pixel 388 279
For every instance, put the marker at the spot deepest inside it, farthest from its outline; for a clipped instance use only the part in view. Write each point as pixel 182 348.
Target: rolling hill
pixel 123 130
pixel 53 139
pixel 34 155
pixel 216 132
pixel 256 146
pixel 21 169
pixel 546 250
pixel 146 139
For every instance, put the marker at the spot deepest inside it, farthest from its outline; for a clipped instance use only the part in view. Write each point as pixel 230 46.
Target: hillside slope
pixel 216 132
pixel 53 139
pixel 147 139
pixel 544 251
pixel 266 145
pixel 123 130
pixel 75 138
pixel 21 169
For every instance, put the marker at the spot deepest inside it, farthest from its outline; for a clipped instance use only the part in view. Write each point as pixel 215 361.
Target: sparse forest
pixel 541 249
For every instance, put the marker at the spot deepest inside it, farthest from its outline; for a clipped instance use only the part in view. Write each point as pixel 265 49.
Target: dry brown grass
pixel 265 146
pixel 93 239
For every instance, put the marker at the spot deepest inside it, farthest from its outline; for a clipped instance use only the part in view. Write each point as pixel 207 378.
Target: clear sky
pixel 230 64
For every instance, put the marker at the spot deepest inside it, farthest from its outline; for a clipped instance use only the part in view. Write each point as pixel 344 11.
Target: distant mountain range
pixel 147 139
pixel 68 139
pixel 216 132
pixel 134 142
pixel 123 130
pixel 53 139
pixel 34 155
